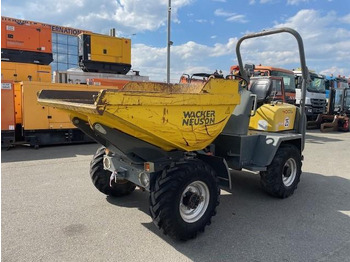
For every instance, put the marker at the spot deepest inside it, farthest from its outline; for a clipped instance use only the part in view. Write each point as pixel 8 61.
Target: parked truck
pixel 315 100
pixel 333 82
pixel 179 141
pixel 338 111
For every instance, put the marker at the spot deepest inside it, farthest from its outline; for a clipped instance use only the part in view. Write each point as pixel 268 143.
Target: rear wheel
pixel 184 199
pixel 101 178
pixel 283 175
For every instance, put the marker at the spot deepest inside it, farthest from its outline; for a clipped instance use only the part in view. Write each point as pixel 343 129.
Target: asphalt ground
pixel 52 212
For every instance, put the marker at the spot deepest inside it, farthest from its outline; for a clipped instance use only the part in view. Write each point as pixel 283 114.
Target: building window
pixel 73 40
pixel 65 52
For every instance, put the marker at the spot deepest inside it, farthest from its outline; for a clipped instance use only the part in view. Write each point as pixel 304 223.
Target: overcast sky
pixel 205 32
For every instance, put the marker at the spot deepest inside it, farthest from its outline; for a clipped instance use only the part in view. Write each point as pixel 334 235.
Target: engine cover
pixel 274 117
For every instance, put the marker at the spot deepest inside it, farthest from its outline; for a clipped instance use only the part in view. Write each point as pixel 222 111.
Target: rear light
pixel 148 166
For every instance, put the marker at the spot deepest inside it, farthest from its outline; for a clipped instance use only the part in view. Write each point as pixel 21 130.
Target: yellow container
pixel 273 117
pixel 187 117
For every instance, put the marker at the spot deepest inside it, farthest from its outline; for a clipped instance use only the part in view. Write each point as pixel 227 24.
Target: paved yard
pixel 52 212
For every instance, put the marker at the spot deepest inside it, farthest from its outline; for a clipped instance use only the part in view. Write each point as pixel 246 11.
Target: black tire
pixel 283 174
pixel 100 178
pixel 169 204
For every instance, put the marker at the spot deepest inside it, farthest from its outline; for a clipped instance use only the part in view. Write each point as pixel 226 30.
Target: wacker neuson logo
pixel 198 118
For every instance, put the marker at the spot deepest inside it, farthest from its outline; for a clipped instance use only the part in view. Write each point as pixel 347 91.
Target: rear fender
pixel 267 147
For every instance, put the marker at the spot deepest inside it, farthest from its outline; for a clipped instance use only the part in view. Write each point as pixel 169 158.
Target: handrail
pixel 305 72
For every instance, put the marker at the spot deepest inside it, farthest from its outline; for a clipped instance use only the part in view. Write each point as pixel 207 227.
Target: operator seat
pixel 262 91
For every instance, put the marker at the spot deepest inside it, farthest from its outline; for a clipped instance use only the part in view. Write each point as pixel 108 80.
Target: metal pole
pixel 168 45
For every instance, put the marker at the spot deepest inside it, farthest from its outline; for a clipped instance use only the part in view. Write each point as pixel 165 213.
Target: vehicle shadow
pixel 311 225
pixel 26 153
pixel 316 137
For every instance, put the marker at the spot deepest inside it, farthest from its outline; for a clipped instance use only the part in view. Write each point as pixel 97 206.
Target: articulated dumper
pixel 180 141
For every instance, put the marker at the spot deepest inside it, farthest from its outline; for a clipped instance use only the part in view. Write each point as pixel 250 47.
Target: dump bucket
pixel 182 116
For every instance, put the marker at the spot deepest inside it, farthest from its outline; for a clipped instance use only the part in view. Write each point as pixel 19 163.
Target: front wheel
pixel 283 175
pixel 101 178
pixel 184 199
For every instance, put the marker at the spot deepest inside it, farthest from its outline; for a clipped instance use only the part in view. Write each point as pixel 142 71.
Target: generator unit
pixel 25 72
pixel 26 43
pixel 42 125
pixel 11 96
pixel 8 121
pixel 104 54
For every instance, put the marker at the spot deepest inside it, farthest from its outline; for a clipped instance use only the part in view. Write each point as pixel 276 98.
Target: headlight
pixel 144 179
pixel 106 163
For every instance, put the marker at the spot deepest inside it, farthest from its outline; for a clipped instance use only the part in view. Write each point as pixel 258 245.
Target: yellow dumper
pixel 179 141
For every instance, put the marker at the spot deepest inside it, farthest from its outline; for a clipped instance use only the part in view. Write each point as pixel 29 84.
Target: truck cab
pixel 315 100
pixel 333 82
pixel 341 100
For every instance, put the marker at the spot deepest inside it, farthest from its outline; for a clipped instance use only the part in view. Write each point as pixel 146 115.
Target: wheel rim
pixel 289 172
pixel 194 201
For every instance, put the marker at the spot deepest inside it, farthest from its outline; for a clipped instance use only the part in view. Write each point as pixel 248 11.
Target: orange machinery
pixel 8 120
pixel 16 72
pixel 11 96
pixel 25 72
pixel 26 42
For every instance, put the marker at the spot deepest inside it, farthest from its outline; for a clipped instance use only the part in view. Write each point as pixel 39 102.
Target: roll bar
pixel 304 70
